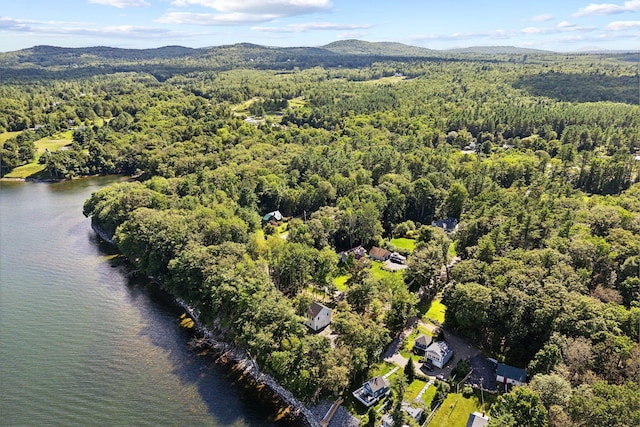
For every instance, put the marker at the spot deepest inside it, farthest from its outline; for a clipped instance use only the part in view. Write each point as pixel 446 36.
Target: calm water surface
pixel 80 343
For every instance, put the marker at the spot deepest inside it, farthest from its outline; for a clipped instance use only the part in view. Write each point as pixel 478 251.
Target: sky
pixel 558 25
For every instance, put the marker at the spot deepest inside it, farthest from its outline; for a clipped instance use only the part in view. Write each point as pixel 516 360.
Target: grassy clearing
pixel 297 102
pixel 380 273
pixel 451 253
pixel 52 144
pixel 386 80
pixel 25 171
pixel 455 410
pixel 6 135
pixel 436 311
pixel 243 108
pixel 341 282
pixel 404 243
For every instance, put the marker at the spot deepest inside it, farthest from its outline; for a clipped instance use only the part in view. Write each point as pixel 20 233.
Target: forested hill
pixel 47 56
pixel 360 47
pixel 535 158
pixel 500 50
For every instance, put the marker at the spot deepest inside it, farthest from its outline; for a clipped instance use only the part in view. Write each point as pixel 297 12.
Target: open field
pixel 455 411
pixel 42 145
pixel 408 245
pixel 436 311
pixel 7 135
pixel 386 80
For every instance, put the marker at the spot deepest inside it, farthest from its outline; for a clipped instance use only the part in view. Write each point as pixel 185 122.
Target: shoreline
pixel 237 359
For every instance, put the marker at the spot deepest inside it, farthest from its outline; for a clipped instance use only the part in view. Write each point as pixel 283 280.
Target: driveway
pixel 461 350
pixel 484 373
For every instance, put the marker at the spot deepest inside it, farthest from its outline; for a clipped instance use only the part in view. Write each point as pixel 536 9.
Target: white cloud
pixel 566 24
pixel 608 8
pixel 570 26
pixel 261 7
pixel 221 19
pixel 534 30
pixel 241 12
pixel 495 34
pixel 84 29
pixel 542 18
pixel 312 26
pixel 622 25
pixel 347 35
pixel 121 4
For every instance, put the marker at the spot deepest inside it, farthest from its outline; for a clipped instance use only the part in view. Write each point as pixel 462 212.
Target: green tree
pixel 409 371
pixel 456 198
pixel 523 406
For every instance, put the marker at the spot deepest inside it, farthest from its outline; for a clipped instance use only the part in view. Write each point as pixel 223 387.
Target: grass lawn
pixel 382 369
pixel 341 282
pixel 404 243
pixel 379 273
pixel 455 410
pixel 451 253
pixel 243 107
pixel 297 102
pixel 428 396
pixel 51 144
pixel 6 135
pixel 436 311
pixel 412 391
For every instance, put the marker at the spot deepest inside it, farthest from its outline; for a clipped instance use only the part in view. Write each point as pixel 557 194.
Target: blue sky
pixel 560 25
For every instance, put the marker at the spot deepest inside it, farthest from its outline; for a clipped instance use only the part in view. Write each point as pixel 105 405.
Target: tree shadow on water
pixel 229 401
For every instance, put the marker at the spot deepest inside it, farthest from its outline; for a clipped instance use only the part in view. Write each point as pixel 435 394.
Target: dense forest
pixel 534 153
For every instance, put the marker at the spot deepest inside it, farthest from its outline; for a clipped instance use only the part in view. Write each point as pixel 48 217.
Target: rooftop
pixel 512 372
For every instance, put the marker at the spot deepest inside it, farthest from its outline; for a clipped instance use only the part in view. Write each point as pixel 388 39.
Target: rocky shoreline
pixel 238 360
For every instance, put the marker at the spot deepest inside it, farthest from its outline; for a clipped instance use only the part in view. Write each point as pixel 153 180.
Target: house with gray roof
pixel 318 316
pixel 506 374
pixel 438 353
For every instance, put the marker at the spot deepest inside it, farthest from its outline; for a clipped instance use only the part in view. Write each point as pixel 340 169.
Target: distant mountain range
pixel 44 54
pixel 344 52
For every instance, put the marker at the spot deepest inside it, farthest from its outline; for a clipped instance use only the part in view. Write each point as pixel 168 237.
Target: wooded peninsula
pixel 501 185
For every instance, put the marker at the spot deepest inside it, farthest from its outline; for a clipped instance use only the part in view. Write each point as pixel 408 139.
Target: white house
pixel 415 413
pixel 421 344
pixel 438 353
pixel 506 374
pixel 318 316
pixel 477 419
pixel 373 390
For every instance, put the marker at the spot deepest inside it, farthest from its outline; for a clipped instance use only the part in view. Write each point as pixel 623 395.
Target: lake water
pixel 80 343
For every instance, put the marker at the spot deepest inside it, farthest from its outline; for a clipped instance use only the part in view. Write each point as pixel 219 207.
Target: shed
pixel 379 254
pixel 477 419
pixel 272 216
pixel 506 374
